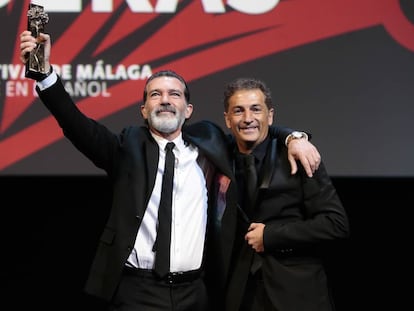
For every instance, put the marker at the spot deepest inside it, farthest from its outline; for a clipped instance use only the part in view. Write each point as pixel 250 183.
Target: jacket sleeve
pixel 91 138
pixel 320 217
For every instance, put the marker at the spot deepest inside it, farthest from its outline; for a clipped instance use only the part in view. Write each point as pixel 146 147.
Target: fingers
pixel 314 160
pixel 293 165
pixel 311 162
pixel 305 152
pixel 254 236
pixel 308 166
pixel 27 44
pixel 308 163
pixel 317 158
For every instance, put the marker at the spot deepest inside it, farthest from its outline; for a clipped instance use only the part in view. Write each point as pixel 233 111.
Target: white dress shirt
pixel 189 208
pixel 189 212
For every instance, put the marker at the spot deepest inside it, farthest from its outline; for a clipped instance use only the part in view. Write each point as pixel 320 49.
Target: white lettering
pixel 166 6
pixel 102 6
pixel 95 88
pixel 161 6
pixel 12 71
pixel 3 72
pixel 103 71
pixel 146 72
pixel 133 72
pixel 213 6
pixel 17 88
pixel 84 72
pixel 66 72
pixel 3 3
pixel 121 73
pixel 61 6
pixel 87 89
pixel 253 7
pixel 141 6
pixel 99 72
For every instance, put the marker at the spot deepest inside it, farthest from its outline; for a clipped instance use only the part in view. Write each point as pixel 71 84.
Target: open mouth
pixel 247 130
pixel 165 111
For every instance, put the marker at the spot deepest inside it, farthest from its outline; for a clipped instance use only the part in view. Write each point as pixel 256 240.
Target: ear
pixel 227 120
pixel 144 112
pixel 270 116
pixel 188 111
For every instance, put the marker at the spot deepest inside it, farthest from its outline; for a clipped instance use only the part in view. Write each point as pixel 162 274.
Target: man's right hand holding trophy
pixel 35 44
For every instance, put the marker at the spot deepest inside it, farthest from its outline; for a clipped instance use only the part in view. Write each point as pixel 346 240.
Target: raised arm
pixel 299 148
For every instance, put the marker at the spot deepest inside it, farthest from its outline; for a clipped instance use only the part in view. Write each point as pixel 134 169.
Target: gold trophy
pixel 36 21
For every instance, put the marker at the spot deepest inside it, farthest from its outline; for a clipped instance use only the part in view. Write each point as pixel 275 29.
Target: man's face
pixel 248 117
pixel 166 108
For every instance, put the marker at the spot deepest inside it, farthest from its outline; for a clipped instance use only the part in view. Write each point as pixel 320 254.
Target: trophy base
pixel 35 75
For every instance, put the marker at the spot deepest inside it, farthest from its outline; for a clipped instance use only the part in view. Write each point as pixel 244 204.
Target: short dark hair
pixel 167 73
pixel 246 84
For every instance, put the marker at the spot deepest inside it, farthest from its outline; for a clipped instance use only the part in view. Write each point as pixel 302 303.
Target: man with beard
pixel 204 204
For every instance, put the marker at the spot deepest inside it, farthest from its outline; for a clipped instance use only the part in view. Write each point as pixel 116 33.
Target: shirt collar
pixel 260 151
pixel 162 142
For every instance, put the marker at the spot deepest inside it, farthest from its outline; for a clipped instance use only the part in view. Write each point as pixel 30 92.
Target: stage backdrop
pixel 342 70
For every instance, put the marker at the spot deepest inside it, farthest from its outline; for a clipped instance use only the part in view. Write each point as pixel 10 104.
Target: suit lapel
pixel 214 150
pixel 152 156
pixel 269 166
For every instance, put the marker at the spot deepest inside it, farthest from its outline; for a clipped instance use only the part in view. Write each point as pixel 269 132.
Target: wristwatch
pixel 295 135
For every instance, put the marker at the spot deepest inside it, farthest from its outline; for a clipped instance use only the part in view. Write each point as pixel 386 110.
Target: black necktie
pixel 251 188
pixel 163 240
pixel 251 181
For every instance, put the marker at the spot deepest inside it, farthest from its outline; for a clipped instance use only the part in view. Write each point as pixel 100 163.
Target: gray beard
pixel 166 125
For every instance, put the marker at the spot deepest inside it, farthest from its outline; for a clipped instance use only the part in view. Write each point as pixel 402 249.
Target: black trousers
pixel 255 297
pixel 143 293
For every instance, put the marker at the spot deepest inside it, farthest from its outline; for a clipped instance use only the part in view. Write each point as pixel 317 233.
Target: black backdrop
pixel 50 227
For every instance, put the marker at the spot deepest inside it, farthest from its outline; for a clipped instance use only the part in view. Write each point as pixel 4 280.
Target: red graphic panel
pixel 193 42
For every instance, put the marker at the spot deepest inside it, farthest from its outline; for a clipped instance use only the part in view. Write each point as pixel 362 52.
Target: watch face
pixel 297 134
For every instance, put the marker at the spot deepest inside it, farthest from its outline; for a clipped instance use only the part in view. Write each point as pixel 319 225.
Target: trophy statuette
pixel 36 21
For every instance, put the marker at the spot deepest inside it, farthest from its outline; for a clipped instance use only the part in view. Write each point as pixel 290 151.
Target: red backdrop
pixel 342 70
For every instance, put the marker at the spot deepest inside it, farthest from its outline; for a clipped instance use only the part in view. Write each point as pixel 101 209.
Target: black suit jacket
pixel 130 159
pixel 304 217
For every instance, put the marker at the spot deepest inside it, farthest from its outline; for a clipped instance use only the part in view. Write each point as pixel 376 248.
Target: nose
pixel 165 99
pixel 248 116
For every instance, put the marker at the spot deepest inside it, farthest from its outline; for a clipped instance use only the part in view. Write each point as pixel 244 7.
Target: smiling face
pixel 165 107
pixel 249 118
